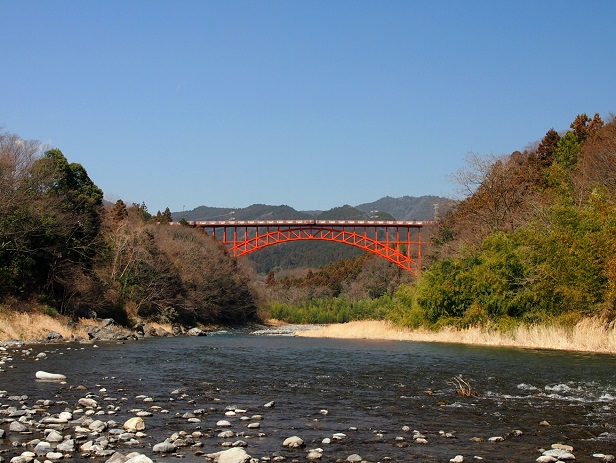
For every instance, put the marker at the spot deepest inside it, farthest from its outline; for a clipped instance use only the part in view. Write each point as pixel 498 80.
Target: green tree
pixel 568 150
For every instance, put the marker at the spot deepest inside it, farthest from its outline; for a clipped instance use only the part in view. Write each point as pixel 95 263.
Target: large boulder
pixel 196 332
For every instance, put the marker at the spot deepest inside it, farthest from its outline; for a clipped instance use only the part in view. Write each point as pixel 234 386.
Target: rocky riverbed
pixel 103 419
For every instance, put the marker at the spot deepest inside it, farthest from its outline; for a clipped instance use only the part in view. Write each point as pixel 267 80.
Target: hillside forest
pixel 532 239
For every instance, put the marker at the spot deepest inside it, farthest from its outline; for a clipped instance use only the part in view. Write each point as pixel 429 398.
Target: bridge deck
pixel 339 223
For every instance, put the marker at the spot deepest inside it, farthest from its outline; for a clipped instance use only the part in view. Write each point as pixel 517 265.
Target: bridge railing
pixel 274 223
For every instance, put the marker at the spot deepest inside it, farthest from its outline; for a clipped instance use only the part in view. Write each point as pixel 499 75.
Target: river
pixel 376 393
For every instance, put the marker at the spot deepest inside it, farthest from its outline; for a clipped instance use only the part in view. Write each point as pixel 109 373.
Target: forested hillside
pixel 533 241
pixel 62 251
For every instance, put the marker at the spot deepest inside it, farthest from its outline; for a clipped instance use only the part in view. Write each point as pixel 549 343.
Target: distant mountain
pixel 387 208
pixel 254 212
pixel 409 208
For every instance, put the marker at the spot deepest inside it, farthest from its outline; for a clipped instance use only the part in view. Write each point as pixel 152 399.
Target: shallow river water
pixel 376 393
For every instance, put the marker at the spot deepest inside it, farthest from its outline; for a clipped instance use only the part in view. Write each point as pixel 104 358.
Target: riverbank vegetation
pixel 63 251
pixel 532 242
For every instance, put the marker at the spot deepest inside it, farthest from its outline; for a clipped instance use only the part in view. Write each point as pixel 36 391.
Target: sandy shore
pixel 589 335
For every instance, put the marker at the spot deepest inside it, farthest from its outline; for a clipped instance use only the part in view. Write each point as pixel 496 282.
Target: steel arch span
pixel 399 242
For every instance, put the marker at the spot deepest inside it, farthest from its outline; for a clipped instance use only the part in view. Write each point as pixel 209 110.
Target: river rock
pixel 117 457
pixel 139 458
pixel 54 336
pixel 97 426
pixel 223 424
pixel 45 376
pixel 54 436
pixel 16 426
pixel 87 402
pixel 67 446
pixel 565 447
pixel 42 448
pixel 164 447
pixel 559 454
pixel 54 456
pixel 354 458
pixel 314 454
pixel 293 442
pixel 134 424
pixel 196 332
pixel 108 331
pixel 457 459
pixel 233 455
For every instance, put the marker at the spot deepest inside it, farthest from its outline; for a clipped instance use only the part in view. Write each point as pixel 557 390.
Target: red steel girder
pixel 395 242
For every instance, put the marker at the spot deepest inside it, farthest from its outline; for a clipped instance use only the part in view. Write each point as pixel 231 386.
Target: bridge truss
pixel 399 242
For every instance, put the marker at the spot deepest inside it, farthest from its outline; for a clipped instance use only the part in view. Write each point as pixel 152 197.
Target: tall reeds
pixel 588 335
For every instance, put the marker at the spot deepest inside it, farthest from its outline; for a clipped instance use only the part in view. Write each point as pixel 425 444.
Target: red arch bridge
pixel 399 242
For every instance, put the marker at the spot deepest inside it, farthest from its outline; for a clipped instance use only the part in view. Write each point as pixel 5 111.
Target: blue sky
pixel 312 104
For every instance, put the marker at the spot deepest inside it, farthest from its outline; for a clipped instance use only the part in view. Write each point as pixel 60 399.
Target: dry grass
pixel 589 335
pixel 29 326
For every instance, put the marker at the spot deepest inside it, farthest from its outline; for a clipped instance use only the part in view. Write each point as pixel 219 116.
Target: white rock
pixel 45 376
pixel 54 436
pixel 42 448
pixel 87 402
pixel 117 457
pixel 457 459
pixel 421 440
pixel 139 459
pixel 314 455
pixel 293 442
pixel 164 447
pixel 134 424
pixel 16 426
pixel 226 434
pixel 97 426
pixel 54 456
pixel 223 424
pixel 66 446
pixel 565 447
pixel 233 455
pixel 354 458
pixel 496 439
pixel 546 459
pixel 560 454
